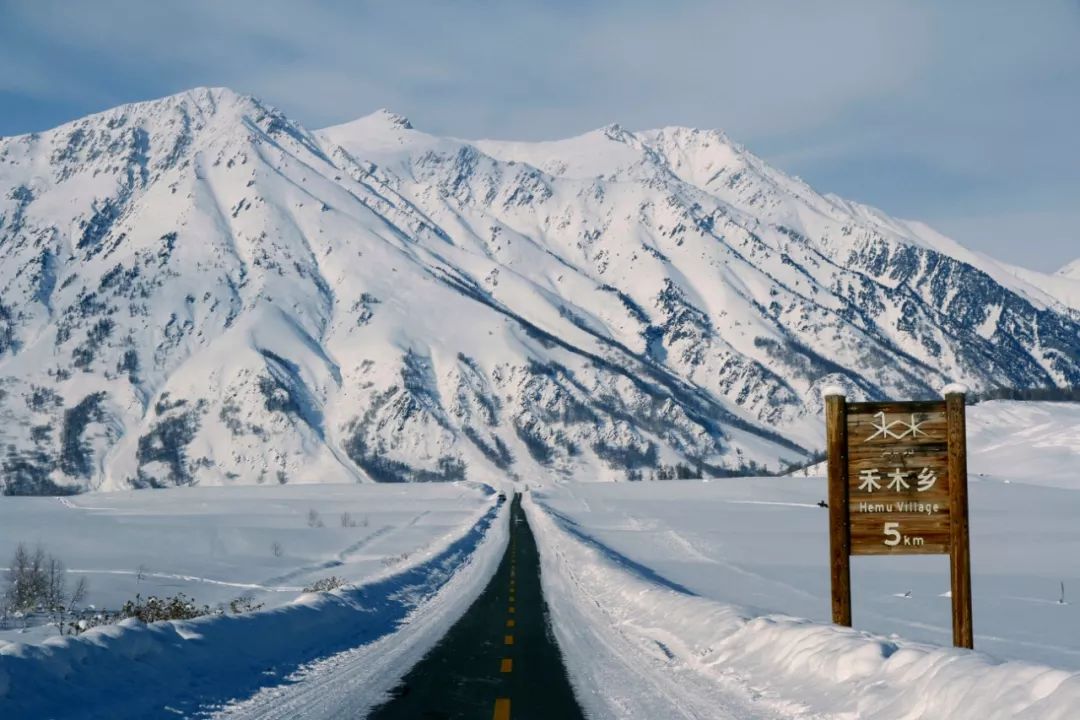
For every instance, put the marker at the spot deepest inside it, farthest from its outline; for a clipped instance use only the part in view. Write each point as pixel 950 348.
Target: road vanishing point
pixel 500 660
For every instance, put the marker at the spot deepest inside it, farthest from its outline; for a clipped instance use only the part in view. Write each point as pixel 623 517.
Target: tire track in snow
pixel 338 561
pixel 68 504
pixel 187 578
pixel 344 555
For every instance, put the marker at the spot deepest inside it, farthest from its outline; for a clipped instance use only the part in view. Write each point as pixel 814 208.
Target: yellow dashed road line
pixel 502 705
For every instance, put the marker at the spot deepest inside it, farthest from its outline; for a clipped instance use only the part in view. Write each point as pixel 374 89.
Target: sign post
pixel 898 486
pixel 839 521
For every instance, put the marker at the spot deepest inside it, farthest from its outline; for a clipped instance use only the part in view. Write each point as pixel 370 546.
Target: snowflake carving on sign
pixel 886 429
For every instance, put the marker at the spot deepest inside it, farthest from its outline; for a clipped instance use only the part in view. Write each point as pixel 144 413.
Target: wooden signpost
pixel 898 486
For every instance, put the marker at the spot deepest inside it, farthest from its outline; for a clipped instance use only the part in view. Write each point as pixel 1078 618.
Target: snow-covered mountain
pixel 1071 271
pixel 200 290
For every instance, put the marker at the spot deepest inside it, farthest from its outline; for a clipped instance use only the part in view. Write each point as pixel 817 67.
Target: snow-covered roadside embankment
pixel 351 683
pixel 637 645
pixel 186 667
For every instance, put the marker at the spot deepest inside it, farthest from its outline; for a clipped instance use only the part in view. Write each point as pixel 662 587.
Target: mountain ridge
pixel 198 289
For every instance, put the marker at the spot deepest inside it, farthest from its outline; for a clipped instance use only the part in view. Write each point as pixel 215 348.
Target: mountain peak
pixel 380 122
pixel 197 289
pixel 613 131
pixel 392 118
pixel 1071 270
pixel 207 101
pixel 204 102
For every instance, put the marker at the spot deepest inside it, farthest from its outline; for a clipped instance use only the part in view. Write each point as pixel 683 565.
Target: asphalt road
pixel 500 661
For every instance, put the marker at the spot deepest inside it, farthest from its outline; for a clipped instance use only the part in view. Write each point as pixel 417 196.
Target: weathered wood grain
pixel 960 558
pixel 839 518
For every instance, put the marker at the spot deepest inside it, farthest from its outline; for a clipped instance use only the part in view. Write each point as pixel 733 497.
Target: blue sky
pixel 962 114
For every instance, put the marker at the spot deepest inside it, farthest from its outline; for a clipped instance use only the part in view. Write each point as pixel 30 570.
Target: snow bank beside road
pixel 638 645
pixel 351 683
pixel 187 668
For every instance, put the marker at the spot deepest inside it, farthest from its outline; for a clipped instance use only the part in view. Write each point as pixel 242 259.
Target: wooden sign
pixel 898 478
pixel 898 486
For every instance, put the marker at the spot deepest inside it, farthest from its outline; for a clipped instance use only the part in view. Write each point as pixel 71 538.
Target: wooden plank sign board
pixel 898 486
pixel 898 478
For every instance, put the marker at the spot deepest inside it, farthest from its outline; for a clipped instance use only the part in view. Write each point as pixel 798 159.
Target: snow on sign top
pixel 898 478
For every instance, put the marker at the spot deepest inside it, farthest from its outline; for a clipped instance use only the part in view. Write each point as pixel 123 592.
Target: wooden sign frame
pixel 925 443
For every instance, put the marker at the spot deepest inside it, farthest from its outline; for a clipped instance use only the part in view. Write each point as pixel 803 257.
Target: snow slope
pixel 1030 442
pixel 199 290
pixel 364 636
pixel 684 599
pixel 1064 285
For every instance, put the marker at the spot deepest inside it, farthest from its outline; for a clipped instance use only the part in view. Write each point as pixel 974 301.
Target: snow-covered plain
pixel 424 546
pixel 1037 443
pixel 215 544
pixel 711 599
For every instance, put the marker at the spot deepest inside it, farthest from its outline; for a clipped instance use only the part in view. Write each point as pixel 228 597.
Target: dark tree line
pixel 1043 394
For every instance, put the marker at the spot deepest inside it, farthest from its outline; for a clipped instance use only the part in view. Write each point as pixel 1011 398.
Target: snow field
pixel 216 543
pixel 193 667
pixel 668 600
pixel 1037 443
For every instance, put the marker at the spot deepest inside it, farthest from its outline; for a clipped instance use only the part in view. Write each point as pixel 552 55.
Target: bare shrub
pixel 395 559
pixel 37 582
pixel 25 588
pixel 347 520
pixel 244 604
pixel 314 519
pixel 153 608
pixel 325 584
pixel 277 549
